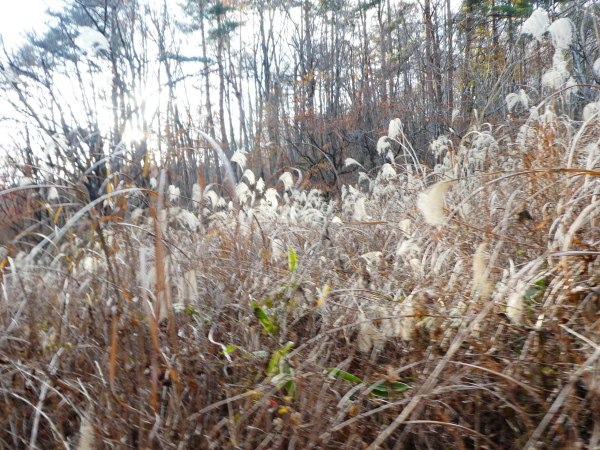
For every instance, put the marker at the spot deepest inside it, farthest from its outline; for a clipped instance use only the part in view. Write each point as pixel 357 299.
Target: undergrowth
pixel 454 307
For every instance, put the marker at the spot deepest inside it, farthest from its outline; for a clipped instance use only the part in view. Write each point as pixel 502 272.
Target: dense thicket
pixel 314 225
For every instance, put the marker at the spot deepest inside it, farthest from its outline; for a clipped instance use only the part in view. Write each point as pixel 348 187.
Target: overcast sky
pixel 18 17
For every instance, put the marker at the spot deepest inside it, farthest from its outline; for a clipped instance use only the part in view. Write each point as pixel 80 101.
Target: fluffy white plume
pixel 455 114
pixel 213 197
pixel 271 196
pixel 591 109
pixel 514 303
pixel 239 158
pixel 188 219
pixel 242 192
pixel 136 214
pixel 173 193
pixel 363 177
pixel 537 24
pixel 549 115
pixel 440 145
pixel 480 280
pixel 395 128
pixel 89 264
pixel 373 258
pixel 351 162
pixel 408 249
pixel 387 172
pixel 512 100
pixel 287 180
pixel 86 436
pixel 260 185
pixel 406 226
pixel 52 194
pixel 249 176
pixel 562 33
pixel 382 144
pixel 431 203
pixel 417 267
pixel 524 98
pixel 596 67
pixel 555 77
pixel 360 214
pixel 196 194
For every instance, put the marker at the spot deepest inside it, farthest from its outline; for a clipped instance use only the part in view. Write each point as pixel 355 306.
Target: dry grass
pixel 146 329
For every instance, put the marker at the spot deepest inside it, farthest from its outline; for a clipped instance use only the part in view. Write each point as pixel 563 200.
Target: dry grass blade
pixel 560 399
pixel 431 380
pixel 510 379
pixel 460 427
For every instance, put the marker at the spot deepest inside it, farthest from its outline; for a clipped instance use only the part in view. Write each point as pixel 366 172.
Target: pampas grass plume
pixel 406 226
pixel 480 282
pixel 52 194
pixel 360 214
pixel 395 128
pixel 239 158
pixel 352 162
pixel 249 175
pixel 86 440
pixel 287 180
pixel 196 194
pixel 431 203
pixel 514 303
pixel 382 144
pixel 174 193
pixel 369 337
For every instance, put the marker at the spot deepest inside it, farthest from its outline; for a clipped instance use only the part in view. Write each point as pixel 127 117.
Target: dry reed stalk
pixel 562 397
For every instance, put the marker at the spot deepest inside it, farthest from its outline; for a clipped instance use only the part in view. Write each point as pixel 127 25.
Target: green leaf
pixel 379 392
pixel 290 386
pixel 229 349
pixel 264 319
pixel 292 259
pixel 398 387
pixel 387 390
pixel 344 375
pixel 384 390
pixel 281 352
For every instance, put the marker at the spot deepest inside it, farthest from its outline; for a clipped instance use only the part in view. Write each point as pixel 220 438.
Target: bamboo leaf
pixel 281 352
pixel 264 319
pixel 292 259
pixel 344 375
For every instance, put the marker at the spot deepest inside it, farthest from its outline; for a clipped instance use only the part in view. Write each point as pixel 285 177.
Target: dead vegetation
pixel 287 321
